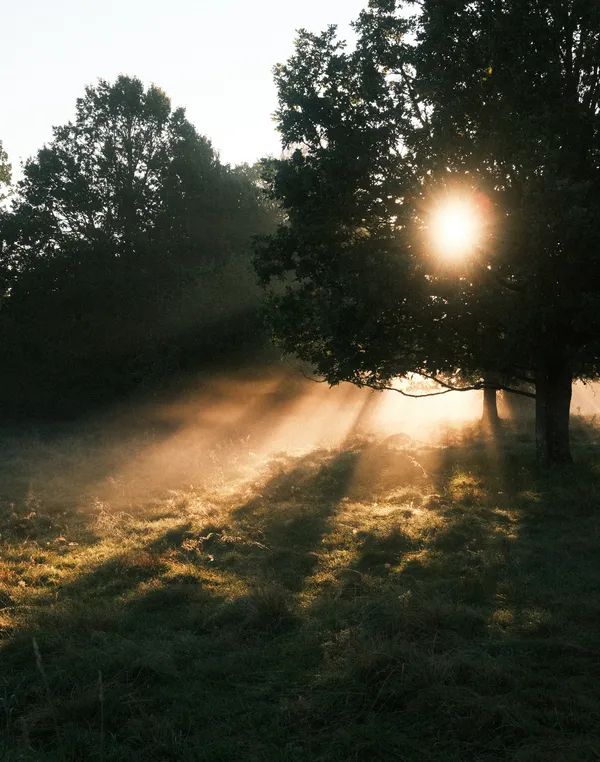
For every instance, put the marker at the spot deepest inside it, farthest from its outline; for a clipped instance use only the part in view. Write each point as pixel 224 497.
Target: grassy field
pixel 375 601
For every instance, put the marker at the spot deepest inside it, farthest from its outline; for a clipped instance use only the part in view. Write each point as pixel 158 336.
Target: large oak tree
pixel 492 101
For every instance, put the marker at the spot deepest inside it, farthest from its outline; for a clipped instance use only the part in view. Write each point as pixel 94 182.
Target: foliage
pixel 495 103
pixel 127 250
pixel 363 301
pixel 515 97
pixel 349 287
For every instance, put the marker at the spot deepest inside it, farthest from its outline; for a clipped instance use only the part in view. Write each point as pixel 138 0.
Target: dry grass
pixel 373 601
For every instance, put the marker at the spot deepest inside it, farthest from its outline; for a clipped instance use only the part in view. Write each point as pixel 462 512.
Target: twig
pixel 314 380
pixel 478 386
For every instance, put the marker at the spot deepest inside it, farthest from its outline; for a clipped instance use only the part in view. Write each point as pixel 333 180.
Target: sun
pixel 455 227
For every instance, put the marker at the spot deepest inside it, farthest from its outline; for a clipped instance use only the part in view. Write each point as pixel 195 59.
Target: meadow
pixel 376 598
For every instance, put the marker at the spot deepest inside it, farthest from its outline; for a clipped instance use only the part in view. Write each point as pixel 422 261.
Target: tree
pixel 5 184
pixel 127 251
pixel 525 111
pixel 5 173
pixel 450 99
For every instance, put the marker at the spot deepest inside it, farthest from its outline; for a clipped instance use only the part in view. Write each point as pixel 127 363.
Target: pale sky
pixel 214 57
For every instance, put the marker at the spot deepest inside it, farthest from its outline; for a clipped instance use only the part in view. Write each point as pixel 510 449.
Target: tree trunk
pixel 490 407
pixel 552 410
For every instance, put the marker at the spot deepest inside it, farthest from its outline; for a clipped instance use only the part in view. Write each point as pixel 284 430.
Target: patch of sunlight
pixel 424 525
pixel 389 510
pixel 502 617
pixel 505 534
pixel 464 479
pixel 530 496
pixel 26 597
pixel 421 557
pixel 466 487
pixel 178 568
pixel 404 496
pixel 7 621
pixel 44 574
pixel 227 584
pixel 535 620
pixel 336 557
pixel 91 556
pixel 507 515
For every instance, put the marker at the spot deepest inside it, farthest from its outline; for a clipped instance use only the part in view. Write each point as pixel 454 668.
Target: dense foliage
pixel 495 103
pixel 125 253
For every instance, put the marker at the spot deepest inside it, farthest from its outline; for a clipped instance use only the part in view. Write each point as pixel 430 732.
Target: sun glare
pixel 455 227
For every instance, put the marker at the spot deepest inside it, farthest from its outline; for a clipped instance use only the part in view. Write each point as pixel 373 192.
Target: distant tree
pixel 5 184
pixel 5 173
pixel 127 248
pixel 495 102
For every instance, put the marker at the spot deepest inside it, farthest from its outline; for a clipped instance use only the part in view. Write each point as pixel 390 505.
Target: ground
pixel 373 600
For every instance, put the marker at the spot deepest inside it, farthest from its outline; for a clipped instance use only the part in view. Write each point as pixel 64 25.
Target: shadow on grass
pixel 201 601
pixel 368 603
pixel 292 514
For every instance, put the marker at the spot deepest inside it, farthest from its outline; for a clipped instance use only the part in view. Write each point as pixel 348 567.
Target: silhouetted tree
pixel 524 119
pixel 128 250
pixel 5 187
pixel 494 101
pixel 5 173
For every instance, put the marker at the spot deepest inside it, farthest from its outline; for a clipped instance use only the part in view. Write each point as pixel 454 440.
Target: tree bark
pixel 490 407
pixel 554 383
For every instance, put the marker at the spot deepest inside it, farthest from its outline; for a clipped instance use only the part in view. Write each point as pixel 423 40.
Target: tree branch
pixel 383 388
pixel 480 385
pixel 314 380
pixel 413 98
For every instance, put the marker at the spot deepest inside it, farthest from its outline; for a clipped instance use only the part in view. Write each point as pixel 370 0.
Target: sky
pixel 213 57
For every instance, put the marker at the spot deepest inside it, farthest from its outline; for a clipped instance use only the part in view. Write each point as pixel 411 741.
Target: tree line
pixel 125 255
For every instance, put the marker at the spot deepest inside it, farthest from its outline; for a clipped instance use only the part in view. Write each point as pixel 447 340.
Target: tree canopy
pixel 495 103
pixel 126 250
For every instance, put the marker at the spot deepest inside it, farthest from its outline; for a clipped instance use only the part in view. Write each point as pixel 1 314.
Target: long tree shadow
pixel 293 511
pixel 141 616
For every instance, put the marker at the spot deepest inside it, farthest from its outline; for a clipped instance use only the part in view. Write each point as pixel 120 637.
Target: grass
pixel 369 602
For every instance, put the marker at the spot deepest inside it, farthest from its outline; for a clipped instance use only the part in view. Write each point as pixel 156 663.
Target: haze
pixel 215 59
